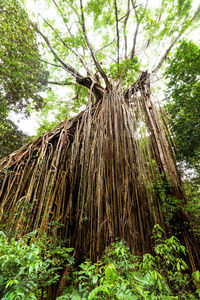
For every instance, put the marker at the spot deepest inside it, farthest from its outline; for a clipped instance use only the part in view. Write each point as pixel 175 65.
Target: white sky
pixel 28 126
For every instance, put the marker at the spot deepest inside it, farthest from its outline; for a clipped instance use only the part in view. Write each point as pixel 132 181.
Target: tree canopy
pixel 12 138
pixel 22 73
pixel 88 43
pixel 111 22
pixel 184 99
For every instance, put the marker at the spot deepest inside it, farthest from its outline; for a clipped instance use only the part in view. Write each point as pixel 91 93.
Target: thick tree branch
pixel 136 30
pixel 85 81
pixel 69 31
pixel 137 26
pixel 117 29
pixel 196 14
pixel 109 44
pixel 69 48
pixel 151 35
pixel 124 28
pixel 97 64
pixel 54 65
pixel 68 68
pixel 60 83
pixel 159 65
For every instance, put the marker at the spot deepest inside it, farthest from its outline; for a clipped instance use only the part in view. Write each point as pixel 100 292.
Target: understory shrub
pixel 120 275
pixel 28 268
pixel 30 265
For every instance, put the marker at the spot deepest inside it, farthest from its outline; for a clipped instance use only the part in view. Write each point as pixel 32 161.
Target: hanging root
pixel 92 179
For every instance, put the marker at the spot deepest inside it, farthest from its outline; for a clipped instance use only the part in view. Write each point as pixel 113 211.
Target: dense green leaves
pixel 22 74
pixel 120 275
pixel 184 99
pixel 183 108
pixel 27 268
pixel 127 71
pixel 12 137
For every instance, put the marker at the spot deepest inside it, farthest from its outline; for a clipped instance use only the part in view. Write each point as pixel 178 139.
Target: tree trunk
pixel 92 179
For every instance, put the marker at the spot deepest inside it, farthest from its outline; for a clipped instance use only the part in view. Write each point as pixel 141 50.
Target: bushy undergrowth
pixel 120 275
pixel 28 268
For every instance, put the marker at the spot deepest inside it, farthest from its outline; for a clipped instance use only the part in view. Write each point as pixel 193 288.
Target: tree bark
pixel 94 175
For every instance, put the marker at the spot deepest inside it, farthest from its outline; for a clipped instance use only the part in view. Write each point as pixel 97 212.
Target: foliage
pixel 192 189
pixel 127 71
pixel 22 73
pixel 120 275
pixel 184 100
pixel 56 108
pixel 12 138
pixel 169 203
pixel 28 266
pixel 183 110
pixel 143 36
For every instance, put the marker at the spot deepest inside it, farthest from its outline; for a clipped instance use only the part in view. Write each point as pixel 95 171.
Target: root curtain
pixel 93 178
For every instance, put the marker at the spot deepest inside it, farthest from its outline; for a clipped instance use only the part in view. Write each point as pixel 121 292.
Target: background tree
pixel 22 74
pixel 183 104
pixel 184 100
pixel 12 138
